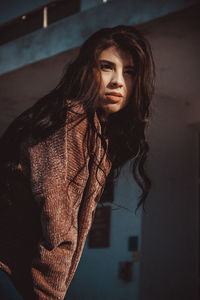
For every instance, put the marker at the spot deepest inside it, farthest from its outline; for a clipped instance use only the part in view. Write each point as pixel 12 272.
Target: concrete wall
pixel 12 9
pixel 87 4
pixel 71 32
pixel 193 115
pixel 170 228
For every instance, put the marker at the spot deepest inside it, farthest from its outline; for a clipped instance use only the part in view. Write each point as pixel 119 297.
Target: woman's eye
pixel 105 67
pixel 130 72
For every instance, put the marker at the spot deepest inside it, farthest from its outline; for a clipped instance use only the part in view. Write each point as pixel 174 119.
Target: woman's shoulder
pixel 78 114
pixel 75 111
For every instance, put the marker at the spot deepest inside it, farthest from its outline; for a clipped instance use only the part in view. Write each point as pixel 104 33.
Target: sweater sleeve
pixel 55 163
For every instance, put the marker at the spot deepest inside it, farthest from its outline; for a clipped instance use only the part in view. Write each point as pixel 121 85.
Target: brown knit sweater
pixel 43 231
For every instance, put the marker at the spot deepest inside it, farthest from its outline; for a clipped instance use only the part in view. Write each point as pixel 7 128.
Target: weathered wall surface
pixel 71 32
pixel 169 265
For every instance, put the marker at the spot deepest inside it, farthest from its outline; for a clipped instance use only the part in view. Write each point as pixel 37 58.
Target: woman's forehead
pixel 115 54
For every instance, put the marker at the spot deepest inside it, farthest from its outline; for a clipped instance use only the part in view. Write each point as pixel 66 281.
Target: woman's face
pixel 117 79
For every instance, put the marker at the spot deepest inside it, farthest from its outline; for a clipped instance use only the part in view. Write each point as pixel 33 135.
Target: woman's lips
pixel 114 97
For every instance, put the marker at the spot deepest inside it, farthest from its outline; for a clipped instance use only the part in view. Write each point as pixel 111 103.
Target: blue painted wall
pixel 97 274
pixel 87 4
pixel 11 9
pixel 72 31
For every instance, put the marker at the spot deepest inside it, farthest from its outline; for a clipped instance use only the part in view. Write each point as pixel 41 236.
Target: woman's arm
pixel 54 163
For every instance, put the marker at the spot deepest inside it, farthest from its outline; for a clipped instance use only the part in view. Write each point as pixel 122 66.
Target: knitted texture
pixel 42 236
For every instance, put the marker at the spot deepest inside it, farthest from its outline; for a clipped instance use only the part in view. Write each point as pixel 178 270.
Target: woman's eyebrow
pixel 107 62
pixel 113 64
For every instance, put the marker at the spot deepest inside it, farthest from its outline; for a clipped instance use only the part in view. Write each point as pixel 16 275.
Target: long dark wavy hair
pixel 81 83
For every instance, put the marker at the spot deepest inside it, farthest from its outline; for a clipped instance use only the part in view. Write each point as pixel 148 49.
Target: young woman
pixel 55 157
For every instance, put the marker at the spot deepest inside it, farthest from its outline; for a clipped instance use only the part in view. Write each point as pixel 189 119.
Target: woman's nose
pixel 117 79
